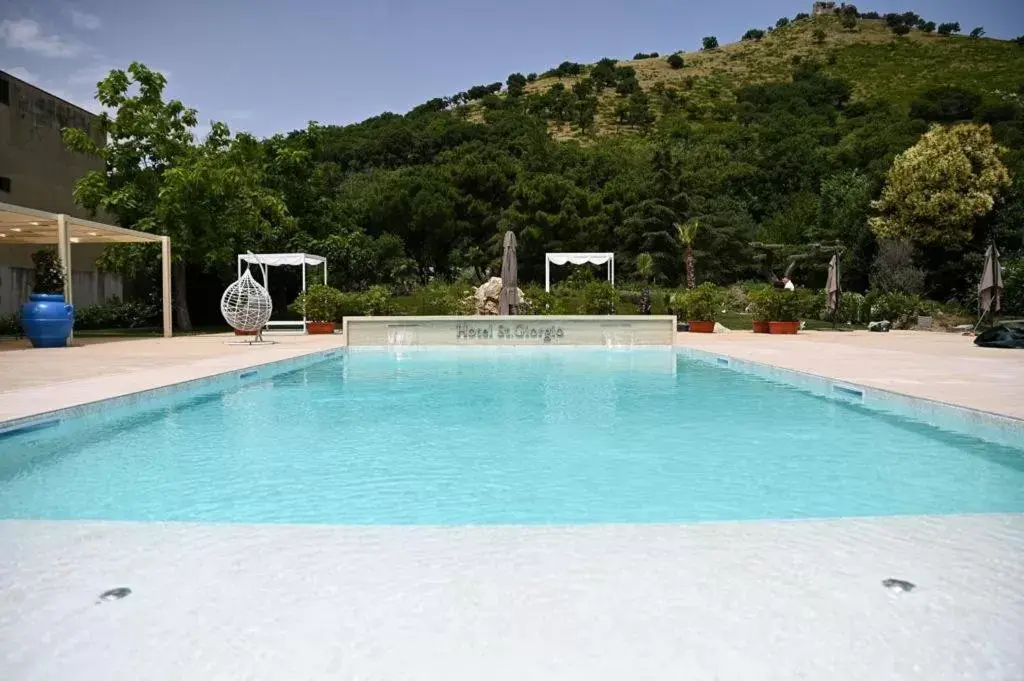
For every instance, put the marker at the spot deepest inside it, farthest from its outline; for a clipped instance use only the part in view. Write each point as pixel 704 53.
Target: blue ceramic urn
pixel 47 320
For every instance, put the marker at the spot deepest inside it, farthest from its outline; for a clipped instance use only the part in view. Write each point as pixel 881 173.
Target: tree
pixel 1019 40
pixel 927 26
pixel 949 28
pixel 801 15
pixel 819 36
pixel 675 61
pixel 516 82
pixel 782 22
pixel 849 21
pixel 209 198
pixel 687 234
pixel 753 34
pixel 709 42
pixel 893 269
pixel 977 32
pixel 936 190
pixel 900 29
pixel 945 104
pixel 644 266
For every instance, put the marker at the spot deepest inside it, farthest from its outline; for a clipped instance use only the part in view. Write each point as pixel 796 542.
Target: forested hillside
pixel 776 145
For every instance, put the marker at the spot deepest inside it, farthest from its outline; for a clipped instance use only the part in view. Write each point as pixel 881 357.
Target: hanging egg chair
pixel 246 304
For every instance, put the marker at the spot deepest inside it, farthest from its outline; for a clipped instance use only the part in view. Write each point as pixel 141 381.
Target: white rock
pixel 487 296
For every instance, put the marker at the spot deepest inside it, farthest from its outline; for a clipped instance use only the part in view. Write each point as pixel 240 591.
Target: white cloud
pixel 84 21
pixel 24 74
pixel 90 75
pixel 26 34
pixel 238 114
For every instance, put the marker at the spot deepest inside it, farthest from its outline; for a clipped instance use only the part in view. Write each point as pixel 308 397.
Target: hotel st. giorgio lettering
pixel 508 332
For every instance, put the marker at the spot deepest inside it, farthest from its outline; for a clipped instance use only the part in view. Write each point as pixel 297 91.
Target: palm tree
pixel 687 235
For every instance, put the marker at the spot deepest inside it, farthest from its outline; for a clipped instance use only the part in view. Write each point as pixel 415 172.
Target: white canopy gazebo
pixel 578 259
pixel 280 259
pixel 28 226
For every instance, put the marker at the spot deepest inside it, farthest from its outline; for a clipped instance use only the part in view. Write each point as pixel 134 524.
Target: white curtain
pixel 578 259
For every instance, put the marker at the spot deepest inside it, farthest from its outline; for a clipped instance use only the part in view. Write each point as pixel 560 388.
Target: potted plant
pixel 319 304
pixel 786 309
pixel 46 318
pixel 701 305
pixel 761 307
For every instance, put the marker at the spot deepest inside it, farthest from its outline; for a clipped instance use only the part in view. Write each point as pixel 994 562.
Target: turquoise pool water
pixel 504 435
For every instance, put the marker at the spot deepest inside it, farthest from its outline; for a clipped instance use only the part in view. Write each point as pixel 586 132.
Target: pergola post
pixel 64 255
pixel 165 272
pixel 547 274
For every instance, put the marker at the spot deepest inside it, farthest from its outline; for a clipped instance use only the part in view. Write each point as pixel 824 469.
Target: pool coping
pixel 986 425
pixel 264 370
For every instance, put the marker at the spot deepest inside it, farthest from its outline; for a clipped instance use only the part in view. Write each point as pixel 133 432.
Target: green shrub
pixel 49 274
pixel 762 302
pixel 790 306
pixel 117 314
pixel 735 298
pixel 537 301
pixel 350 304
pixel 703 303
pixel 438 298
pixel 1013 287
pixel 852 309
pixel 899 308
pixel 10 325
pixel 319 303
pixel 675 61
pixel 709 42
pixel 579 278
pixel 377 301
pixel 599 297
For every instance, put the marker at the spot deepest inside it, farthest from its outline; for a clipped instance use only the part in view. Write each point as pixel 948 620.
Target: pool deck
pixel 944 367
pixel 39 381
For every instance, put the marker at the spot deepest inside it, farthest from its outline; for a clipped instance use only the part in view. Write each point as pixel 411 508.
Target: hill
pixel 878 64
pixel 779 147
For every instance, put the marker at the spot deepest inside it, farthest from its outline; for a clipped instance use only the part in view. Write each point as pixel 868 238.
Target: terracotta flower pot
pixel 244 333
pixel 320 327
pixel 701 327
pixel 783 327
pixel 761 325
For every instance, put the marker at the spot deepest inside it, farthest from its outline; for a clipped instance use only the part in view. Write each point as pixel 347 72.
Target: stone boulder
pixel 486 296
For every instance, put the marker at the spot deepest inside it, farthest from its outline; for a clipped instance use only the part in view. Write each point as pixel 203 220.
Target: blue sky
pixel 271 66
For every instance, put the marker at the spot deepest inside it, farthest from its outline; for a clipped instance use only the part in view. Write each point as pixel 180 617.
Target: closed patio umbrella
pixel 508 301
pixel 990 290
pixel 832 287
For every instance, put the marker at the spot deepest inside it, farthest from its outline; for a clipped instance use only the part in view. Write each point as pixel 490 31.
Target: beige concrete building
pixel 37 171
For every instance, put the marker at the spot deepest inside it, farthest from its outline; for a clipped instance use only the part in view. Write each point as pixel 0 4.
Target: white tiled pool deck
pixel 730 601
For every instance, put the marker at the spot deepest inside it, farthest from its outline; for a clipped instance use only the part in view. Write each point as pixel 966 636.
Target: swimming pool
pixel 474 436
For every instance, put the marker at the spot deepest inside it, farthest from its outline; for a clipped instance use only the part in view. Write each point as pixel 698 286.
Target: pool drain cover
pixel 897 585
pixel 115 594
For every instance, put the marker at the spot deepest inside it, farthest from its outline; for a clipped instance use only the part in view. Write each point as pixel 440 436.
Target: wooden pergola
pixel 20 225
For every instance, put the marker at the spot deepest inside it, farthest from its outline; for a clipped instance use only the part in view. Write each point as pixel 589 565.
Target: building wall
pixel 41 170
pixel 88 286
pixel 42 175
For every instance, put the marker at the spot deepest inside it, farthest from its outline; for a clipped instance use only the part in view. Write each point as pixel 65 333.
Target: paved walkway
pixel 936 366
pixel 38 381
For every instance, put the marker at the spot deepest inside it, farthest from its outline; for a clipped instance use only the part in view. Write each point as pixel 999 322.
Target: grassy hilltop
pixel 877 63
